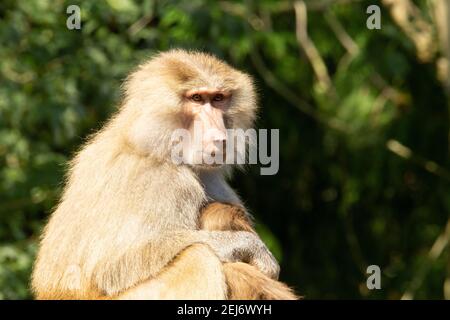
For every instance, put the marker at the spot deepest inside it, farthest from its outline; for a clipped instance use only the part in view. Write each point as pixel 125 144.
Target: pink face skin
pixel 206 107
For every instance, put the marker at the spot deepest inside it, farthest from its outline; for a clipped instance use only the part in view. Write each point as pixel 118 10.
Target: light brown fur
pixel 234 281
pixel 128 213
pixel 243 280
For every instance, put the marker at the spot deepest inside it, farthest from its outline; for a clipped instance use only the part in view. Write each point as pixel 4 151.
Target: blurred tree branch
pixel 301 31
pixel 344 38
pixel 404 152
pixel 283 90
pixel 442 16
pixel 436 250
pixel 409 18
pixel 387 92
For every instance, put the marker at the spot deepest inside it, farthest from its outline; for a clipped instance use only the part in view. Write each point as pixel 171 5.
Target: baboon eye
pixel 196 97
pixel 218 97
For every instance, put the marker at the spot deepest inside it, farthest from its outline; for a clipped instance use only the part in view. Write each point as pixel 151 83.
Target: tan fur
pixel 127 211
pixel 223 216
pixel 243 280
pixel 234 281
pixel 185 279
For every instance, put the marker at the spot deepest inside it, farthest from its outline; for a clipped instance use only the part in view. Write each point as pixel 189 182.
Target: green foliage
pixel 341 200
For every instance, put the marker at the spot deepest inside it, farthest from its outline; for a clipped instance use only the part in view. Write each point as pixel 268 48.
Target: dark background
pixel 363 118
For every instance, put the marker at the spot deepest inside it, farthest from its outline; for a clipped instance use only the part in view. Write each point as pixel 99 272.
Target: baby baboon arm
pixel 223 202
pixel 225 217
pixel 143 262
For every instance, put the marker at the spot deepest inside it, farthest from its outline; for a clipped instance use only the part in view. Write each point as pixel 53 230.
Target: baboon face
pixel 187 100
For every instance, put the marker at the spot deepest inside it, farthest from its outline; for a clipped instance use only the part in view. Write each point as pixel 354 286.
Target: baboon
pixel 129 224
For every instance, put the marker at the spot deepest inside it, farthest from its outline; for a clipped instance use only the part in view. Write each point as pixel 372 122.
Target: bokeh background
pixel 363 117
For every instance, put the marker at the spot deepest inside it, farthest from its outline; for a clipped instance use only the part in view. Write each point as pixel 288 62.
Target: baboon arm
pixel 184 279
pixel 116 274
pixel 243 280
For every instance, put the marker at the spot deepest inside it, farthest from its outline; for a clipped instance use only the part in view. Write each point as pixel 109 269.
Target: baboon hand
pixel 264 260
pixel 244 246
